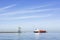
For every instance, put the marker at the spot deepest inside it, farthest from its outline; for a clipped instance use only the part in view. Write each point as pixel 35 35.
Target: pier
pixel 19 31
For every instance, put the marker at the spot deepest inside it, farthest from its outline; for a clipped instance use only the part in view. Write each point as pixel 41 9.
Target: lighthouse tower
pixel 19 31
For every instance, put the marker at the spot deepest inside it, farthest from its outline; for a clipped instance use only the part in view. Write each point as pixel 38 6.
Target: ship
pixel 39 31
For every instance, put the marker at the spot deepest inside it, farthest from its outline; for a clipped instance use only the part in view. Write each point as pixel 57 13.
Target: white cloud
pixel 26 17
pixel 10 6
pixel 38 6
pixel 24 12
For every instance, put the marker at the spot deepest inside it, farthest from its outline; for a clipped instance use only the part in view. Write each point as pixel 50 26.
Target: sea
pixel 29 36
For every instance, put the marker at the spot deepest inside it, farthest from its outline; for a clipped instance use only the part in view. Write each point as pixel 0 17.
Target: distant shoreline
pixel 10 32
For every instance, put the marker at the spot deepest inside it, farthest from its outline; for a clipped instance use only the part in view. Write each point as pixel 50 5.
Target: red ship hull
pixel 40 31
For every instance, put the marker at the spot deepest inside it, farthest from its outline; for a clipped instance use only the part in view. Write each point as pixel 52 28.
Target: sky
pixel 29 15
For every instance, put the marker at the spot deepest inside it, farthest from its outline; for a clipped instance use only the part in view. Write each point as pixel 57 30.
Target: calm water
pixel 30 36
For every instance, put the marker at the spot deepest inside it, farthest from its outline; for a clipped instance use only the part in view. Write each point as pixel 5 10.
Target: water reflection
pixel 37 36
pixel 27 36
pixel 18 38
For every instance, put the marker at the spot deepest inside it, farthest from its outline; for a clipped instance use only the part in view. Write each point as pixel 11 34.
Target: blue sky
pixel 30 14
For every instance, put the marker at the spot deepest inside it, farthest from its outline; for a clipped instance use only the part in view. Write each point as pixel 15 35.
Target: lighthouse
pixel 19 31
